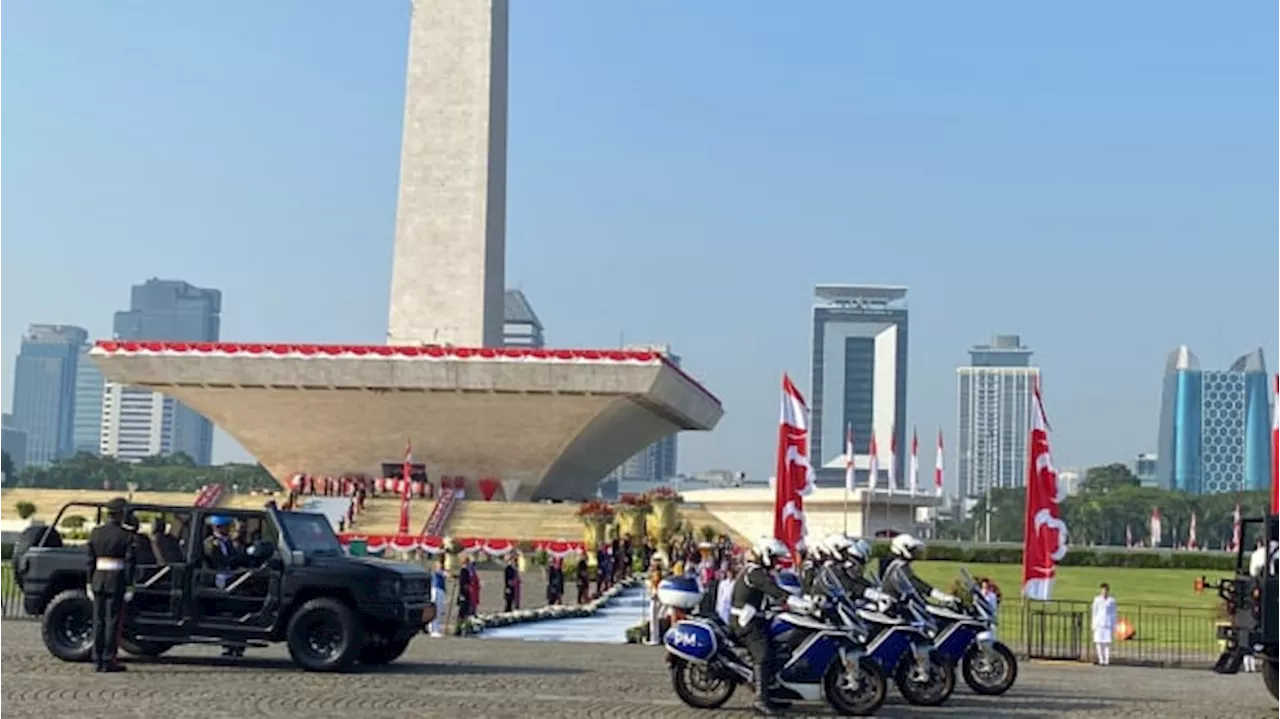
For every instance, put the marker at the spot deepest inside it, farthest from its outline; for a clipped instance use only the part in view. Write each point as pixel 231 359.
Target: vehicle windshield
pixel 310 534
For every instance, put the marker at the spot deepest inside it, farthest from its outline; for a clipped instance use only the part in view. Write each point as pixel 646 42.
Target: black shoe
pixel 113 667
pixel 767 709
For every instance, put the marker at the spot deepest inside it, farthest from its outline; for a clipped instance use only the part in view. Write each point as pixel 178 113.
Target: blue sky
pixel 1098 177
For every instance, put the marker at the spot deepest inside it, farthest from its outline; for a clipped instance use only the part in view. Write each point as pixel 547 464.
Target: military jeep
pixel 290 582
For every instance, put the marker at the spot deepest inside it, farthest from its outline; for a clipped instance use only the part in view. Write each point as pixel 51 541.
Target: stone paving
pixel 472 678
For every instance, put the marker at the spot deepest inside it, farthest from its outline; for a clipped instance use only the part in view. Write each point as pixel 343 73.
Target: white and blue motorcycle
pixel 967 638
pixel 818 661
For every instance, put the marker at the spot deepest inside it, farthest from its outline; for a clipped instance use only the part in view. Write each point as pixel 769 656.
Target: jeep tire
pixel 324 635
pixel 67 626
pixel 144 648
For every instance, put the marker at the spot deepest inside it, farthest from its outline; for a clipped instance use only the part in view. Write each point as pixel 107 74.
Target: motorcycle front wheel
pixel 990 674
pixel 698 687
pixel 934 689
pixel 859 695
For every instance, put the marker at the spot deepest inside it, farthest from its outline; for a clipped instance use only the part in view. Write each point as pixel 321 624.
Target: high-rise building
pixel 1144 468
pixel 13 442
pixel 858 377
pixel 1214 425
pixel 137 423
pixel 44 390
pixel 170 310
pixel 87 422
pixel 657 462
pixel 520 324
pixel 995 400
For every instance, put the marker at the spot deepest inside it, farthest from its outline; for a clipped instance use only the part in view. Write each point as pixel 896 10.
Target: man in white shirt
pixel 1104 623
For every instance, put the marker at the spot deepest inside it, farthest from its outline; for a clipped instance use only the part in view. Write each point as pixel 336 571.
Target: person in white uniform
pixel 1104 623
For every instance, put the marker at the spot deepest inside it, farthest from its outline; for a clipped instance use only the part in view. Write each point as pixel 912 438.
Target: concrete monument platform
pixel 555 420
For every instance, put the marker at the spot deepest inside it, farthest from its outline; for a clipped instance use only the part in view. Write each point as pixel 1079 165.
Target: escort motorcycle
pixel 967 638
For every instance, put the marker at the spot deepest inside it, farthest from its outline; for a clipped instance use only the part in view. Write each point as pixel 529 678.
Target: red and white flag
pixel 914 476
pixel 937 467
pixel 794 475
pixel 1191 532
pixel 1128 537
pixel 873 465
pixel 848 459
pixel 1235 529
pixel 1045 534
pixel 406 487
pixel 893 459
pixel 1275 445
pixel 1156 527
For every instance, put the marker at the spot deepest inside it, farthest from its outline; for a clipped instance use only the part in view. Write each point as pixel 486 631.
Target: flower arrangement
pixel 663 494
pixel 480 622
pixel 635 502
pixel 596 511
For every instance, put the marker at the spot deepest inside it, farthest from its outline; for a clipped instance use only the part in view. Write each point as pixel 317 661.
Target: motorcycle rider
pixel 898 578
pixel 753 587
pixel 848 571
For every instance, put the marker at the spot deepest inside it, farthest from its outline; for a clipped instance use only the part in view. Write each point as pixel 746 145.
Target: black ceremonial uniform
pixel 747 622
pixel 110 572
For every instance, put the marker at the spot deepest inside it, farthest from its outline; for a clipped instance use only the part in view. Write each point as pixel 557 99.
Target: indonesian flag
pixel 1128 536
pixel 794 475
pixel 914 476
pixel 873 467
pixel 893 458
pixel 1275 445
pixel 848 458
pixel 1235 529
pixel 937 466
pixel 406 492
pixel 1045 534
pixel 1156 527
pixel 1191 532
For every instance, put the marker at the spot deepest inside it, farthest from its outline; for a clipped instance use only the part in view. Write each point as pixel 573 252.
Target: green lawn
pixel 1165 587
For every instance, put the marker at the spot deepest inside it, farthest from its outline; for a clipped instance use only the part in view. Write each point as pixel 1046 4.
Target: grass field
pixel 49 501
pixel 1168 587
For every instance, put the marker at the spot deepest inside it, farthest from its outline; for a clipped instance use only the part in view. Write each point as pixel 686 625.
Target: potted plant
pixel 596 516
pixel 663 500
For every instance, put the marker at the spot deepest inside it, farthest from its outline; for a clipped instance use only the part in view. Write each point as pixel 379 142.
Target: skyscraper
pixel 657 462
pixel 994 397
pixel 44 390
pixel 160 310
pixel 87 432
pixel 1215 425
pixel 858 376
pixel 520 324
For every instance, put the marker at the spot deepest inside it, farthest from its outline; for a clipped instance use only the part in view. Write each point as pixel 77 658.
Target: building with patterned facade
pixel 1214 433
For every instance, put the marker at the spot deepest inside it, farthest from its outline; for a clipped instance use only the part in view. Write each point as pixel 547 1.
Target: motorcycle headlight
pixel 389 589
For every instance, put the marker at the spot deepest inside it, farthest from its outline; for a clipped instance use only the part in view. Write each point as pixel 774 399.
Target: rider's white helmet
pixel 767 549
pixel 906 546
pixel 859 551
pixel 835 546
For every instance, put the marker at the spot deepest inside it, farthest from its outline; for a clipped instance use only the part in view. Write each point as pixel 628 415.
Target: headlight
pixel 986 637
pixel 389 588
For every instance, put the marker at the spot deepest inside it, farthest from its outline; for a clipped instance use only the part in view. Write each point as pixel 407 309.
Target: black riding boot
pixel 764 704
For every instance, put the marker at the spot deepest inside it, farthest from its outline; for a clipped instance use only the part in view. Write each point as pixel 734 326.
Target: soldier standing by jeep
pixel 111 563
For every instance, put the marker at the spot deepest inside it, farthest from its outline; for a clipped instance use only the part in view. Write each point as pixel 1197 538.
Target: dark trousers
pixel 755 637
pixel 108 621
pixel 584 593
pixel 509 601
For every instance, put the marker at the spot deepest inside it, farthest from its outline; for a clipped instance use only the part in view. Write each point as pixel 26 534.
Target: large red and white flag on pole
pixel 1275 445
pixel 873 465
pixel 893 459
pixel 937 467
pixel 1128 537
pixel 1156 527
pixel 848 458
pixel 914 476
pixel 1191 532
pixel 405 487
pixel 794 474
pixel 1235 529
pixel 1045 534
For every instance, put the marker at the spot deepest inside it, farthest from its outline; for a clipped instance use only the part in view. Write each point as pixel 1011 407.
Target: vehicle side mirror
pixel 262 550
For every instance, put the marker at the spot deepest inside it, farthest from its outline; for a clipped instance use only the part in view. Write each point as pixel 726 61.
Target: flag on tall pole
pixel 1235 529
pixel 1044 541
pixel 1128 537
pixel 1275 445
pixel 1156 527
pixel 937 466
pixel 1191 532
pixel 848 472
pixel 405 492
pixel 873 466
pixel 794 474
pixel 914 476
pixel 893 458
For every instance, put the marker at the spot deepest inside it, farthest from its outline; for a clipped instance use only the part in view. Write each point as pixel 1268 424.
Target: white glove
pixel 801 604
pixel 128 595
pixel 943 598
pixel 89 591
pixel 875 595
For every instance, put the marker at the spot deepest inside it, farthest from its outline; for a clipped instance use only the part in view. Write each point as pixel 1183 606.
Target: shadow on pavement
pixel 409 668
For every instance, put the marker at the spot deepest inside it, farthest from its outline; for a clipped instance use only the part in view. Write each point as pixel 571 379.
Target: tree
pixel 1108 478
pixel 25 509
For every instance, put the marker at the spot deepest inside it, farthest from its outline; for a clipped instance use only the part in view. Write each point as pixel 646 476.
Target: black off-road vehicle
pixel 290 582
pixel 1251 601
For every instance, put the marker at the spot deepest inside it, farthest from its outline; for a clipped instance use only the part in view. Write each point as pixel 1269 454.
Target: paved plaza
pixel 475 678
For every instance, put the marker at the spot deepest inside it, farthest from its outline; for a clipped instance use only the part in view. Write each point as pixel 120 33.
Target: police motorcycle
pixel 967 637
pixel 901 641
pixel 817 660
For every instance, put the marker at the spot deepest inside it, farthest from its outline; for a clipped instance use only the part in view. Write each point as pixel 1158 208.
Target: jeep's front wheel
pixel 324 635
pixel 144 648
pixel 380 650
pixel 67 626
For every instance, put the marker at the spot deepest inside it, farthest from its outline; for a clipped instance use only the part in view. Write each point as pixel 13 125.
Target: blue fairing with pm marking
pixel 692 639
pixel 888 647
pixel 955 639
